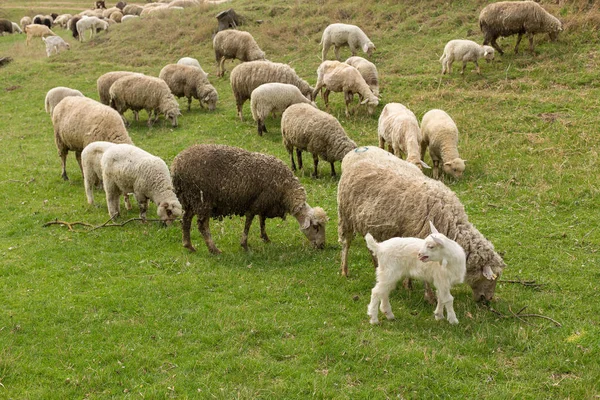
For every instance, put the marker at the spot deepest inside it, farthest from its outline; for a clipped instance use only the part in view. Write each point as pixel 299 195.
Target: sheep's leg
pixel 429 296
pixel 127 201
pixel 239 104
pixel 204 229
pixel 345 247
pixel 263 231
pixel 477 68
pixel 261 127
pixel 336 49
pixel 332 169
pixel 391 149
pixel 372 309
pixel 325 51
pixel 190 104
pixel 291 151
pixel 244 241
pixel 381 142
pixel 326 97
pixel 186 225
pixel 89 189
pixel 78 157
pixel 315 173
pixel 299 155
pixel 446 300
pixel 462 71
pixel 380 297
pixel 221 67
pixel 496 46
pixel 436 169
pixel 530 37
pixel 112 199
pixel 63 160
pixel 519 37
pixel 143 204
pixel 136 116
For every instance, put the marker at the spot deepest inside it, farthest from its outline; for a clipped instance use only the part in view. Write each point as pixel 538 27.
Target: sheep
pixel 79 121
pixel 507 18
pixel 91 158
pixel 55 95
pixel 128 17
pixel 37 30
pixel 62 20
pixel 72 25
pixel 25 21
pixel 465 51
pixel 391 199
pixel 55 44
pixel 271 98
pixel 43 20
pixel 307 128
pixel 248 76
pixel 105 81
pixel 184 3
pixel 435 259
pixel 129 169
pixel 367 70
pixel 214 181
pixel 192 62
pixel 106 13
pixel 441 135
pixel 337 76
pixel 92 23
pixel 132 9
pixel 137 92
pixel 231 44
pixel 190 82
pixel 121 5
pixel 399 127
pixel 340 35
pixel 16 28
pixel 5 27
pixel 116 16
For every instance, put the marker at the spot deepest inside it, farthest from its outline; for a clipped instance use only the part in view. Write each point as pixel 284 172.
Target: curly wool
pixel 234 44
pixel 105 81
pixel 273 97
pixel 55 95
pixel 367 70
pixel 132 9
pixel 307 128
pixel 390 200
pixel 189 82
pixel 440 134
pixel 399 127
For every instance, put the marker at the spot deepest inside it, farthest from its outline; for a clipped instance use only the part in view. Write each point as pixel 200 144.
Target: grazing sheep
pixel 16 28
pixel 72 26
pixel 25 21
pixel 93 24
pixel 129 169
pixel 271 98
pixel 231 44
pixel 190 82
pixel 192 62
pixel 105 81
pixel 214 181
pixel 387 197
pixel 79 121
pixel 43 20
pixel 55 44
pixel 399 127
pixel 367 70
pixel 55 95
pixel 37 30
pixel 62 20
pixel 116 16
pixel 141 92
pixel 5 27
pixel 435 259
pixel 132 9
pixel 508 18
pixel 441 135
pixel 128 17
pixel 184 3
pixel 337 76
pixel 340 35
pixel 106 13
pixel 249 75
pixel 307 128
pixel 465 51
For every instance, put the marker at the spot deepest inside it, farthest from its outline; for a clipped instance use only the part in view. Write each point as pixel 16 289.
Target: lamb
pixel 307 128
pixel 465 51
pixel 37 30
pixel 337 76
pixel 391 199
pixel 132 9
pixel 137 92
pixel 273 98
pixel 16 28
pixel 55 95
pixel 232 44
pixel 79 121
pixel 129 169
pixel 55 44
pixel 441 135
pixel 340 35
pixel 367 70
pixel 399 127
pixel 190 82
pixel 507 18
pixel 248 76
pixel 213 181
pixel 25 21
pixel 435 259
pixel 104 83
pixel 192 62
pixel 92 23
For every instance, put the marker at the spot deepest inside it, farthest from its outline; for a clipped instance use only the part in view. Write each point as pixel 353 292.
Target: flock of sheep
pixel 380 195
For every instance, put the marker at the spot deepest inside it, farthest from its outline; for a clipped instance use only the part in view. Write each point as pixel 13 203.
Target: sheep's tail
pixel 47 104
pixel 371 243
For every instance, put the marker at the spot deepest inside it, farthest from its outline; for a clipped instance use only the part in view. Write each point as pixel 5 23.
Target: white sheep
pixel 55 95
pixel 16 28
pixel 441 135
pixel 340 35
pixel 62 20
pixel 399 128
pixel 337 76
pixel 91 23
pixel 367 70
pixel 232 44
pixel 129 169
pixel 25 21
pixel 464 51
pixel 128 17
pixel 37 30
pixel 190 82
pixel 271 98
pixel 435 259
pixel 192 62
pixel 55 44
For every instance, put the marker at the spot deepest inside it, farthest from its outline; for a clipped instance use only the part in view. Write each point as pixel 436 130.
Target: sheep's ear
pixel 448 163
pixel 305 223
pixel 424 164
pixel 432 227
pixel 207 98
pixel 364 101
pixel 437 240
pixel 489 274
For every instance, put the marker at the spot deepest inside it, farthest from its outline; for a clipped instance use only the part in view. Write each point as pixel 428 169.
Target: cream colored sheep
pixel 232 44
pixel 340 35
pixel 37 30
pixel 464 51
pixel 368 71
pixel 440 134
pixel 190 82
pixel 55 95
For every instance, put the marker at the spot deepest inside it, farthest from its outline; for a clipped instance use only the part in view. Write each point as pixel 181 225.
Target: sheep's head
pixel 313 226
pixel 483 282
pixel 369 48
pixel 455 167
pixel 557 28
pixel 372 102
pixel 488 53
pixel 168 211
pixel 209 96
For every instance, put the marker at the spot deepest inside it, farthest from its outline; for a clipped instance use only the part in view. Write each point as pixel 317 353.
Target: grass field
pixel 128 312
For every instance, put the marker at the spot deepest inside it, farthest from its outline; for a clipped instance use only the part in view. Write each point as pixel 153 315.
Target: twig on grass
pixel 107 224
pixel 523 282
pixel 18 181
pixel 518 315
pixel 67 224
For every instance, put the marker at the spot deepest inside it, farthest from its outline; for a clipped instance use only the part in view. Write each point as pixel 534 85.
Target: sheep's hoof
pixel 189 247
pixel 453 321
pixel 265 239
pixel 374 321
pixel 390 316
pixel 439 317
pixel 214 251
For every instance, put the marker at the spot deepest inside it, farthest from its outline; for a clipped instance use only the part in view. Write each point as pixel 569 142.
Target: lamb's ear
pixel 489 274
pixel 432 227
pixel 437 240
pixel 424 164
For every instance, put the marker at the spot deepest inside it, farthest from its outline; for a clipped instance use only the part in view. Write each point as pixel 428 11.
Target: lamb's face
pixel 455 167
pixel 169 211
pixel 488 53
pixel 432 248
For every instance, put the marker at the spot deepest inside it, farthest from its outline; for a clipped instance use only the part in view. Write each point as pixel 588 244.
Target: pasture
pixel 127 312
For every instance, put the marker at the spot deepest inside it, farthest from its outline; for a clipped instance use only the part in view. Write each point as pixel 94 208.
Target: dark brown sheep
pixel 5 26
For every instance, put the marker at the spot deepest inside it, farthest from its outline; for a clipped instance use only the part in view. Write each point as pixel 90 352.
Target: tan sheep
pixel 190 82
pixel 37 30
pixel 55 96
pixel 441 135
pixel 232 44
pixel 368 71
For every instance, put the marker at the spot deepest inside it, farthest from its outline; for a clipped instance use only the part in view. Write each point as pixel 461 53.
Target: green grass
pixel 128 312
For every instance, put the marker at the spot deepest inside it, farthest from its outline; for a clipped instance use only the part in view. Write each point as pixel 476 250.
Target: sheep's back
pixel 140 92
pixel 248 76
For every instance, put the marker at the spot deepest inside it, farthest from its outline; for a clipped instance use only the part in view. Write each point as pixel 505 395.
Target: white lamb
pixel 91 23
pixel 465 51
pixel 55 44
pixel 340 35
pixel 435 259
pixel 440 134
